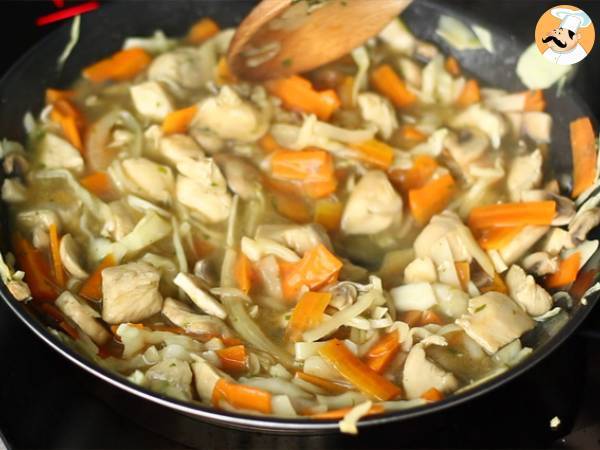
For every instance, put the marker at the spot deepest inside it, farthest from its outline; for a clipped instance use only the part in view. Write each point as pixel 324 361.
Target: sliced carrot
pixel 70 120
pixel 389 84
pixel 328 213
pixel 469 95
pixel 313 168
pixel 330 386
pixel 383 352
pixel 585 154
pixel 121 66
pixel 91 289
pixel 512 214
pixel 358 373
pixel 566 273
pixel 37 270
pixel 99 184
pixel 417 176
pixel 463 269
pixel 317 267
pixel 53 95
pixel 269 144
pixel 202 30
pixel 497 238
pixel 432 395
pixel 428 316
pixel 231 341
pixel 224 74
pixel 497 284
pixel 412 134
pixel 307 313
pixel 374 152
pixel 452 67
pixel 346 91
pixel 534 101
pixel 298 94
pixel 431 199
pixel 179 121
pixel 59 273
pixel 233 359
pixel 243 273
pixel 242 397
pixel 341 412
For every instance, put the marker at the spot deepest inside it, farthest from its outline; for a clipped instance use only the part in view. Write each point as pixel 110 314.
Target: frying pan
pixel 103 31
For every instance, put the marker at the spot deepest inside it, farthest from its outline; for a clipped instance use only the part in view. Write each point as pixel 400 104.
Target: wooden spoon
pixel 283 37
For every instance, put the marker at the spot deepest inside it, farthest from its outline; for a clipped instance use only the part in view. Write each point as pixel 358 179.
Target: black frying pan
pixel 103 32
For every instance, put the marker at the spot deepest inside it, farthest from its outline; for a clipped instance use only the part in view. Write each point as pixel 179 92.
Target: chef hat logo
pixel 565 35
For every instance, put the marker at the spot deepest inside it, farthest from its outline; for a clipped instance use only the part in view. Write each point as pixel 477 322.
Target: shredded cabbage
pixel 536 72
pixel 73 38
pixel 457 34
pixel 361 59
pixel 485 37
pixel 157 43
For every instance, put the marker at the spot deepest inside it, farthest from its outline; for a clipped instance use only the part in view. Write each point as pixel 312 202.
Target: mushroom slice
pixel 83 316
pixel 206 377
pixel 242 177
pixel 526 292
pixel 540 263
pixel 192 287
pixel 466 146
pixel 420 375
pixel 182 316
pixel 583 223
pixel 299 238
pixel 71 257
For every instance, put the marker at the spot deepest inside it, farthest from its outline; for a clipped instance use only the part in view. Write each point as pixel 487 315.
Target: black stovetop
pixel 46 402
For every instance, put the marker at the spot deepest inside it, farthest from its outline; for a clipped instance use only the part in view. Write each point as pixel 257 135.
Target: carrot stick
pixel 383 352
pixel 497 284
pixel 497 238
pixel 375 152
pixel 328 385
pixel 317 267
pixel 358 373
pixel 243 273
pixel 91 289
pixel 313 168
pixel 417 176
pixel 432 395
pixel 534 101
pixel 390 85
pixel 70 120
pixel 512 214
pixel 59 273
pixel 328 213
pixel 585 154
pixel 452 67
pixel 469 95
pixel 298 94
pixel 233 359
pixel 463 270
pixel 431 199
pixel 202 30
pixel 53 95
pixel 307 313
pixel 121 66
pixel 37 270
pixel 341 412
pixel 179 121
pixel 99 184
pixel 412 134
pixel 242 397
pixel 566 273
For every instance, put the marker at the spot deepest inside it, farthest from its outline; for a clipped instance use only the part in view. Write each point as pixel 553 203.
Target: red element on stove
pixel 59 3
pixel 66 13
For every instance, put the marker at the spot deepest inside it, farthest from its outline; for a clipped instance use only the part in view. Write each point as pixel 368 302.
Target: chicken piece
pixel 13 191
pixel 182 66
pixel 583 223
pixel 151 100
pixel 130 293
pixel 494 320
pixel 489 122
pixel 242 177
pixel 178 148
pixel 153 181
pixel 192 287
pixel 206 377
pixel 172 377
pixel 525 173
pixel 413 296
pixel 378 111
pixel 373 205
pixel 299 238
pixel 83 316
pixel 522 242
pixel 182 316
pixel 57 153
pixel 420 270
pixel 70 256
pixel 466 146
pixel 540 263
pixel 538 126
pixel 420 375
pixel 526 292
pixel 230 117
pixel 122 219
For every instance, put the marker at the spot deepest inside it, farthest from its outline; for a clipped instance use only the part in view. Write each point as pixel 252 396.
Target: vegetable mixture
pixel 379 233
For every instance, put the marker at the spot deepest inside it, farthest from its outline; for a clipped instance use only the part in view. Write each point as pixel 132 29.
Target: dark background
pixel 46 402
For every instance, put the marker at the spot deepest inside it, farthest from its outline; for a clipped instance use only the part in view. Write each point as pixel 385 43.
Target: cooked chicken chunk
pixel 57 153
pixel 192 287
pixel 526 292
pixel 583 222
pixel 494 320
pixel 83 316
pixel 182 66
pixel 172 377
pixel 540 263
pixel 476 116
pixel 373 205
pixel 378 111
pixel 178 148
pixel 420 270
pixel 152 180
pixel 151 100
pixel 538 126
pixel 182 316
pixel 130 293
pixel 525 173
pixel 420 375
pixel 299 238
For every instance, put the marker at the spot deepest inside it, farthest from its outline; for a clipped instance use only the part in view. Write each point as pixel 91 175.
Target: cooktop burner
pixel 47 402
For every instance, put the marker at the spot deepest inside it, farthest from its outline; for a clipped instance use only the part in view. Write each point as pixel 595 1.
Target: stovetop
pixel 47 402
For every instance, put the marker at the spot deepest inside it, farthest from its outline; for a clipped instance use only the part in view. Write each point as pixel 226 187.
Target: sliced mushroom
pixel 84 316
pixel 476 116
pixel 206 378
pixel 192 286
pixel 420 375
pixel 181 315
pixel 71 257
pixel 13 191
pixel 15 164
pixel 557 240
pixel 299 238
pixel 527 293
pixel 525 173
pixel 466 146
pixel 378 111
pixel 242 177
pixel 540 263
pixel 172 377
pixel 583 223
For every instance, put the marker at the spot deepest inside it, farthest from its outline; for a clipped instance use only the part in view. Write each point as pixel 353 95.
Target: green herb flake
pixel 287 62
pixel 162 169
pixel 480 308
